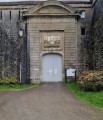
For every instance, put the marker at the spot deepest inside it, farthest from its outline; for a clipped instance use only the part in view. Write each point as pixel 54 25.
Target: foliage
pixel 8 49
pixel 6 81
pixel 92 43
pixel 95 99
pixel 16 86
pixel 87 50
pixel 91 81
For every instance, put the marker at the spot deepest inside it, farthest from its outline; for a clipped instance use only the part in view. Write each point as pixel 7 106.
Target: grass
pixel 95 99
pixel 16 87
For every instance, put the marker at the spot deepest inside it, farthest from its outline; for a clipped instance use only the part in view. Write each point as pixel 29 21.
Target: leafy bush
pixel 91 81
pixel 6 81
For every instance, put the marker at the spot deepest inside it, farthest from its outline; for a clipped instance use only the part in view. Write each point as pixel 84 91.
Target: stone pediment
pixel 50 8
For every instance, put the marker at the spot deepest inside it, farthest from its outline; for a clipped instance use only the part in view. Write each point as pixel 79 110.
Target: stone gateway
pixel 46 36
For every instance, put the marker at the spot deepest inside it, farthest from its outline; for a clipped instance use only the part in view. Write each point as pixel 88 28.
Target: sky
pixel 37 0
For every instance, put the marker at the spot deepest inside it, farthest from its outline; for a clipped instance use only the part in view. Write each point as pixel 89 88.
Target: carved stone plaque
pixel 51 41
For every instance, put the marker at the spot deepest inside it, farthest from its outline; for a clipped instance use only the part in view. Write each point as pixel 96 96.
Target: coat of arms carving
pixel 51 41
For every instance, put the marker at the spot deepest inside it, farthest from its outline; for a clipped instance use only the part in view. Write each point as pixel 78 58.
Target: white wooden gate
pixel 52 68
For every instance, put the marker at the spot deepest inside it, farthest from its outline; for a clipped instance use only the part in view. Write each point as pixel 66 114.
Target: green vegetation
pixel 95 99
pixel 13 84
pixel 7 81
pixel 16 86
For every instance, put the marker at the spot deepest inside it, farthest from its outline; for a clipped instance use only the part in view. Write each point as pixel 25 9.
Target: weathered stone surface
pixel 62 19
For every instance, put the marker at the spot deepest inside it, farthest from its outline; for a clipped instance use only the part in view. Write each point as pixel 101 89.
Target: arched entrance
pixel 52 28
pixel 52 68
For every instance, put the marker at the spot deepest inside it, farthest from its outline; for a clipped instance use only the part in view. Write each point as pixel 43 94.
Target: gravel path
pixel 48 101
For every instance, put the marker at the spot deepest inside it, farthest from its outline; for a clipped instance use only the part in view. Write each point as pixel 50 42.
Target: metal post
pixel 65 76
pixel 20 72
pixel 18 50
pixel 75 75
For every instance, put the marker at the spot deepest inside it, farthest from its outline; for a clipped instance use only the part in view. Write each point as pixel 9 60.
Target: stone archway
pixel 55 20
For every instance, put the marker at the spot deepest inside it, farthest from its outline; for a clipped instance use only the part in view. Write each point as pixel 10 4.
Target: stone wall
pixel 93 41
pixel 69 50
pixel 8 39
pixel 97 29
pixel 8 44
pixel 98 10
pixel 83 23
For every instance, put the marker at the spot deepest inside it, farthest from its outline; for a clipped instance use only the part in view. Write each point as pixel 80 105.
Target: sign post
pixel 70 73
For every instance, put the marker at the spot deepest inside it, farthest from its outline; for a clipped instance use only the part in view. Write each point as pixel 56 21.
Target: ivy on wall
pixel 7 53
pixel 92 43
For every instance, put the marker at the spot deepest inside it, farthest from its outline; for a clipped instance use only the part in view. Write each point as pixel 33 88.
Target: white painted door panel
pixel 52 68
